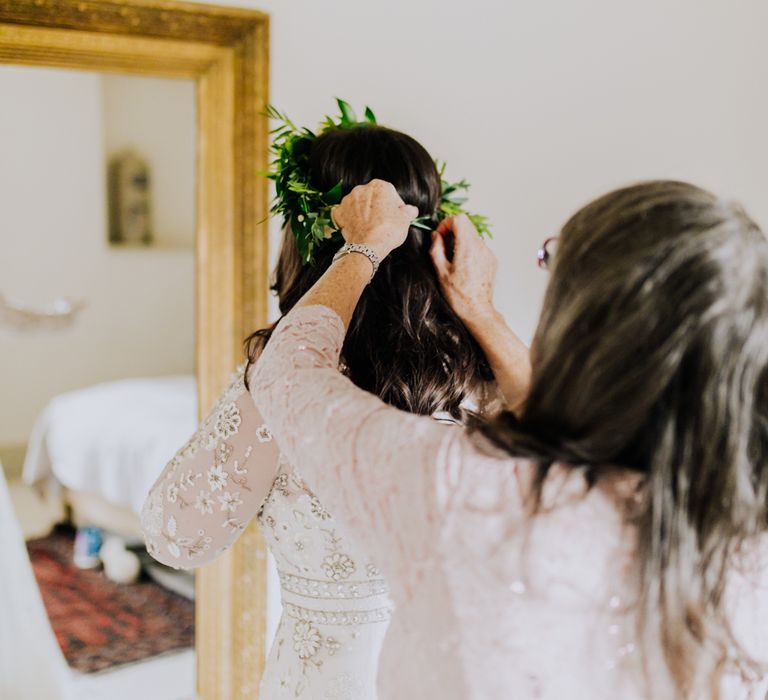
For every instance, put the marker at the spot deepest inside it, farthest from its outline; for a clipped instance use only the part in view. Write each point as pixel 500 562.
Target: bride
pixel 405 344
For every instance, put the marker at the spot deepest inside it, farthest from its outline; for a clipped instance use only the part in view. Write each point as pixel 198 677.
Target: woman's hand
pixel 374 215
pixel 468 275
pixel 371 215
pixel 467 279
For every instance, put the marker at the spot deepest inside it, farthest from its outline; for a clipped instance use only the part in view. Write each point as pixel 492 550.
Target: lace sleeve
pixel 214 484
pixel 387 474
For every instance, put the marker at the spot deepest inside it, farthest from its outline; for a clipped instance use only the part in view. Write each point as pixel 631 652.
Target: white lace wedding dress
pixel 336 606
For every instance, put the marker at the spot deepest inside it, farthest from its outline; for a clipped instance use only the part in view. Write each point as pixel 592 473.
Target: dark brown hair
pixel 652 353
pixel 404 342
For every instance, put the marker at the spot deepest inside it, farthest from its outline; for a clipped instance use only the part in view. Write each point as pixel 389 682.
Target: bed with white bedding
pixel 106 445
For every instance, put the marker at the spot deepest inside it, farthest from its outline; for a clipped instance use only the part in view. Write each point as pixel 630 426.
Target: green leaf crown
pixel 307 209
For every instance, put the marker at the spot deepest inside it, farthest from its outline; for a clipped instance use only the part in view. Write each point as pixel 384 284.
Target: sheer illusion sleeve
pixel 214 484
pixel 388 474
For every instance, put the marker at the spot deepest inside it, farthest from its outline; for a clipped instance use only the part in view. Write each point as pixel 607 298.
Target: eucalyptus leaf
pixel 348 116
pixel 421 223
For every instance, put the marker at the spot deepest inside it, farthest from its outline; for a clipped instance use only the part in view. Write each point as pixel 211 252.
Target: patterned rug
pixel 100 624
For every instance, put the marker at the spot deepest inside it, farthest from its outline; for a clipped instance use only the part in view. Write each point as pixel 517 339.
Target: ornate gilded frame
pixel 226 51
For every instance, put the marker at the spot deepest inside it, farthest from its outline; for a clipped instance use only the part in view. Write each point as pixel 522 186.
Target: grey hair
pixel 651 354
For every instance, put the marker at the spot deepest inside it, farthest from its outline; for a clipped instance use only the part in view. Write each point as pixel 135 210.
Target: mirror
pixel 98 211
pixel 134 260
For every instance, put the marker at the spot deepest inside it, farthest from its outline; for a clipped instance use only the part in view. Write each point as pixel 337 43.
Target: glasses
pixel 545 253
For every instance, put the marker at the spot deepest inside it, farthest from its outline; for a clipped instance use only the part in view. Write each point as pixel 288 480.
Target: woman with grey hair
pixel 607 539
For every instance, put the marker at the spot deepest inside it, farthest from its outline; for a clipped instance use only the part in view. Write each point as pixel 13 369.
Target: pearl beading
pixel 311 588
pixel 325 617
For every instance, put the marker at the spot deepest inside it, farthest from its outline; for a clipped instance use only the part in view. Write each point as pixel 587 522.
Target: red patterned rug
pixel 98 623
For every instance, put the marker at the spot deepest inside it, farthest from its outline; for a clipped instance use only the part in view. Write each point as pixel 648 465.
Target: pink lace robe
pixel 490 604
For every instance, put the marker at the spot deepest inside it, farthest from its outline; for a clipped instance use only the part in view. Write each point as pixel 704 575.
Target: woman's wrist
pixel 341 286
pixel 360 249
pixel 357 267
pixel 377 242
pixel 508 356
pixel 480 318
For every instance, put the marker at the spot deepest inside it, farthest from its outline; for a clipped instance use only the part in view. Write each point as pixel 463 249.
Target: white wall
pixel 53 242
pixel 543 105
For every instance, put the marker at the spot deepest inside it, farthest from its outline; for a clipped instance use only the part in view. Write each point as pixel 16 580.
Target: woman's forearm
pixel 343 283
pixel 508 356
pixel 466 268
pixel 341 286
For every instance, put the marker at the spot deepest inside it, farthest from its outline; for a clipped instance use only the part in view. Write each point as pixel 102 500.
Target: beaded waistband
pixel 327 617
pixel 312 588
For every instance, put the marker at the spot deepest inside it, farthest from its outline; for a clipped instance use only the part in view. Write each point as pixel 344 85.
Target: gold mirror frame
pixel 226 51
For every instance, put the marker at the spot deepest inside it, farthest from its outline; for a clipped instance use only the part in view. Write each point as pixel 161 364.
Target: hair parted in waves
pixel 404 343
pixel 652 354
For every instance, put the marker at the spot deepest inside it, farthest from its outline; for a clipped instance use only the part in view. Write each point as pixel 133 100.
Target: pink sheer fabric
pixel 489 602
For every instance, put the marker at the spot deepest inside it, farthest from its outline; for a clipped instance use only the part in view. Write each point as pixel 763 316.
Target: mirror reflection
pixel 97 217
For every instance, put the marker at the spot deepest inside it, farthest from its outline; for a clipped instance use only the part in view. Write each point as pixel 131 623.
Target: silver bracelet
pixel 369 253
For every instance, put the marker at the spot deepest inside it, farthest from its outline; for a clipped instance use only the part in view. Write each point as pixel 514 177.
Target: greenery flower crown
pixel 307 209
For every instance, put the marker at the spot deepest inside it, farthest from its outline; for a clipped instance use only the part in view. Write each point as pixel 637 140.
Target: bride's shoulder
pixel 486 400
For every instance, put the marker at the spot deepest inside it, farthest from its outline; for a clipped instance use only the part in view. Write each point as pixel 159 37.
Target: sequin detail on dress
pixel 334 619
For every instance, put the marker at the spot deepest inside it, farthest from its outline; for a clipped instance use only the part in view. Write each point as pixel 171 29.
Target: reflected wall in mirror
pixel 123 305
pixel 149 144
